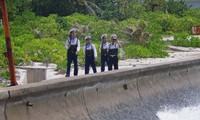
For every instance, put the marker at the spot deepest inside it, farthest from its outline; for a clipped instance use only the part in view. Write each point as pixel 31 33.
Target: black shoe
pixel 67 76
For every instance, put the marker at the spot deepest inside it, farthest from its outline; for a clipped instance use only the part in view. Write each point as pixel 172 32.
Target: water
pixel 187 113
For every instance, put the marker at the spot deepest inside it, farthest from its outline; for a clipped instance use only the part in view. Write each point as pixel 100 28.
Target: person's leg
pixel 93 64
pixel 102 63
pixel 75 60
pixel 107 61
pixel 116 62
pixel 110 63
pixel 69 61
pixel 87 65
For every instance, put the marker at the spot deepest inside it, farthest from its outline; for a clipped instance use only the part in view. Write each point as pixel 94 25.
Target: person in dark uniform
pixel 113 52
pixel 73 48
pixel 90 55
pixel 104 46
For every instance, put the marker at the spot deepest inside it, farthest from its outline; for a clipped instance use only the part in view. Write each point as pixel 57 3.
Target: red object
pixel 196 30
pixel 8 42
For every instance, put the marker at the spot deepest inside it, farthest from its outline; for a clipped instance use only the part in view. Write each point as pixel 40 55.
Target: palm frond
pixel 89 9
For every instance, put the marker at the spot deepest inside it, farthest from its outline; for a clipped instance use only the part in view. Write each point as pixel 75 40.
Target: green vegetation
pixel 186 41
pixel 153 49
pixel 39 33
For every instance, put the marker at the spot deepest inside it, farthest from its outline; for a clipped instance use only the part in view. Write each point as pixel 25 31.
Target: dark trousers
pixel 89 60
pixel 104 59
pixel 72 58
pixel 113 61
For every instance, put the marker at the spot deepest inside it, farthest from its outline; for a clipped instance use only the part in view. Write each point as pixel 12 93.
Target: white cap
pixel 114 36
pixel 72 30
pixel 103 36
pixel 87 37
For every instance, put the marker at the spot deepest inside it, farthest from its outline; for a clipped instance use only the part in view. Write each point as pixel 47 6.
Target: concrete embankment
pixel 128 94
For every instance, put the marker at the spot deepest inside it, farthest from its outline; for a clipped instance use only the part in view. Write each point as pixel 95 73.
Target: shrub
pixel 43 38
pixel 62 65
pixel 181 36
pixel 195 42
pixel 157 47
pixel 137 51
pixel 80 19
pixel 136 33
pixel 47 27
pixel 17 30
pixel 194 12
pixel 161 23
pixel 181 40
pixel 176 7
pixel 45 49
pixel 18 55
pixel 154 48
pixel 158 22
pixel 3 60
pixel 22 39
pixel 90 25
pixel 185 24
pixel 186 41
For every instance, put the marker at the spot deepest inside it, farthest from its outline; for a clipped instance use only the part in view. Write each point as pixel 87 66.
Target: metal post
pixel 8 54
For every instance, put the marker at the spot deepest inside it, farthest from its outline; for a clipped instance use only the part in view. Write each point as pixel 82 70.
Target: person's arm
pixel 108 46
pixel 67 45
pixel 119 45
pixel 84 49
pixel 95 51
pixel 100 48
pixel 78 46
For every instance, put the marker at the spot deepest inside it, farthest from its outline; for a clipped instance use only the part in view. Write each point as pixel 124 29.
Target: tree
pixel 195 12
pixel 17 7
pixel 153 5
pixel 130 8
pixel 61 7
pixel 176 7
pixel 64 7
pixel 110 9
pixel 136 33
pixel 91 7
pixel 120 9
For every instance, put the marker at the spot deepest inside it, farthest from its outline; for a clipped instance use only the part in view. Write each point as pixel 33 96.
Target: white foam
pixel 187 113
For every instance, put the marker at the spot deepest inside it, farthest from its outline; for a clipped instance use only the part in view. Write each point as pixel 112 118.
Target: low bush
pixel 137 51
pixel 153 49
pixel 157 46
pixel 45 50
pixel 192 42
pixel 3 61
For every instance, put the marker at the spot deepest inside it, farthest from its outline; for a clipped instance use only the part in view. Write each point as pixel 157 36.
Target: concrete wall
pixel 129 94
pixel 33 74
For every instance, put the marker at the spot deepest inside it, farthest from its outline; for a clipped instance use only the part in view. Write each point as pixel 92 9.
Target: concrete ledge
pixel 92 79
pixel 88 96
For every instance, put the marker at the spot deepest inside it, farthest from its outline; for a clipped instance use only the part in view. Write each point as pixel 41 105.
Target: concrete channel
pixel 126 94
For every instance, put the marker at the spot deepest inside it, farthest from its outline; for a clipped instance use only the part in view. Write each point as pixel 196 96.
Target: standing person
pixel 113 52
pixel 73 48
pixel 90 55
pixel 104 46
